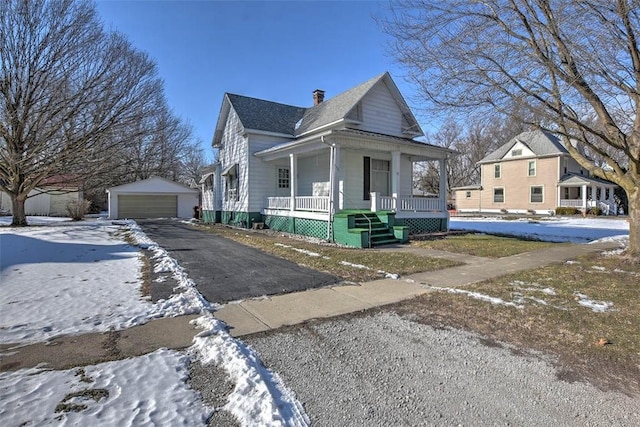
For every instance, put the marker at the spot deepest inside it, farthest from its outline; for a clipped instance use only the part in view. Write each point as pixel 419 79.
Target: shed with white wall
pixel 154 197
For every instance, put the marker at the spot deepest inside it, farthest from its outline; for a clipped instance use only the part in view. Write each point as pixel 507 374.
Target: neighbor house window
pixel 516 152
pixel 496 170
pixel 283 178
pixel 231 183
pixel 498 195
pixel 468 194
pixel 532 168
pixel 536 195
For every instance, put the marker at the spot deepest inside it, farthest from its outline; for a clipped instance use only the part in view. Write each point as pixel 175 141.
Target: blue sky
pixel 280 51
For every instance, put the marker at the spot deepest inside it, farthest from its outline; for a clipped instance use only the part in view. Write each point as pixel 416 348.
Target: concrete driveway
pixel 224 270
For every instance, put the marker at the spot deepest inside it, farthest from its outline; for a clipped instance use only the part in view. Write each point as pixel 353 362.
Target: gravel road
pixel 381 369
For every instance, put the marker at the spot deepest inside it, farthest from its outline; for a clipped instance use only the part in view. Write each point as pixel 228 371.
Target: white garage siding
pixel 134 206
pixel 152 198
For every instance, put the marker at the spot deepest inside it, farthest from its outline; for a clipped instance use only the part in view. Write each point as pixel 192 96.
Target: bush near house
pixel 562 210
pixel 595 211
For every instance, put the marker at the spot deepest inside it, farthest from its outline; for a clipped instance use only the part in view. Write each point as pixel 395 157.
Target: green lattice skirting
pixel 424 225
pixel 306 227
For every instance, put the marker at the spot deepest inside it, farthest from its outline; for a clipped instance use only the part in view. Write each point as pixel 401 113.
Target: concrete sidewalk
pixel 257 315
pixel 261 314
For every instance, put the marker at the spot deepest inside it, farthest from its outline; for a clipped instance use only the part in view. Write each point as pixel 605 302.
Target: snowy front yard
pixel 74 278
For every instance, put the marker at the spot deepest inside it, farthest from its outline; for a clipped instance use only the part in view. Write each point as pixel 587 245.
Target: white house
pixel 340 170
pixel 152 198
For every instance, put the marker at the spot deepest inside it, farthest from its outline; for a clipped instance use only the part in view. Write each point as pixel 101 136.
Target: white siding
pixel 262 178
pixel 380 112
pixel 312 169
pixel 234 150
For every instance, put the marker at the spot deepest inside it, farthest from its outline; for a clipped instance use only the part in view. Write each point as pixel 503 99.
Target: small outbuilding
pixel 154 197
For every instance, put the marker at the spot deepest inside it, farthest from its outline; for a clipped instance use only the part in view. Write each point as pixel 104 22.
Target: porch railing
pixel 302 203
pixel 406 204
pixel 571 203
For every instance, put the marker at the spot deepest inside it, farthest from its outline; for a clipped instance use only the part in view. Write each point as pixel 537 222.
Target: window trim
pixel 535 167
pixel 541 187
pixel 497 170
pixel 504 198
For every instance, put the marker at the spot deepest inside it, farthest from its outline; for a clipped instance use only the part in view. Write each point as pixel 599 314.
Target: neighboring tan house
pixel 53 197
pixel 340 170
pixel 534 173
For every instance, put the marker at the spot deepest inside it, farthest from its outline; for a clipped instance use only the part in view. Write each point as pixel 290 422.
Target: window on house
pixel 566 165
pixel 532 168
pixel 376 177
pixel 516 152
pixel 536 195
pixel 498 195
pixel 283 178
pixel 231 183
pixel 468 194
pixel 496 170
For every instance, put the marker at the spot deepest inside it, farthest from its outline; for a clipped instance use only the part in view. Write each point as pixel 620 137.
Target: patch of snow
pixel 477 295
pixel 556 229
pixel 598 268
pixel 363 267
pixel 572 262
pixel 144 390
pixel 386 275
pixel 597 306
pixel 302 251
pixel 259 397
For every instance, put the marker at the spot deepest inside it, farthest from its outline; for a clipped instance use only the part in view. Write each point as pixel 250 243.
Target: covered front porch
pixel 586 193
pixel 353 171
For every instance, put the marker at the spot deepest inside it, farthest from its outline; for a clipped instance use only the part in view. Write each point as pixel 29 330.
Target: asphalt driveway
pixel 224 270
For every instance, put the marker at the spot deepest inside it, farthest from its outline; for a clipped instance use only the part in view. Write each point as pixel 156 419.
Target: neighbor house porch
pixel 585 193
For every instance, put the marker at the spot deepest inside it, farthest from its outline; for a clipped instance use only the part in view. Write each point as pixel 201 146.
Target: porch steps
pixel 380 233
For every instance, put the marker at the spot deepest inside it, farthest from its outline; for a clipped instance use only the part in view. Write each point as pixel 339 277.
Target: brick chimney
pixel 318 96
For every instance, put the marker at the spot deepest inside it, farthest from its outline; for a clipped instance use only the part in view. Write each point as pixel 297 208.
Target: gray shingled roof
pixel 270 116
pixel 335 108
pixel 540 142
pixel 259 114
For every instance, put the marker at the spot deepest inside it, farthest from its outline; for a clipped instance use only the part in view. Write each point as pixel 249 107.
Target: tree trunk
pixel 634 222
pixel 19 217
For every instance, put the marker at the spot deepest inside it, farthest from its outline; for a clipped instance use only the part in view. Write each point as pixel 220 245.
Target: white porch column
pixel 293 179
pixel 395 174
pixel 443 183
pixel 594 195
pixel 334 179
pixel 375 201
pixel 584 196
pixel 559 194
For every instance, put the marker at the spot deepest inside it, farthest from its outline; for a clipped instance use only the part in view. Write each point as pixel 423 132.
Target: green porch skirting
pixel 211 216
pixel 423 225
pixel 303 226
pixel 240 219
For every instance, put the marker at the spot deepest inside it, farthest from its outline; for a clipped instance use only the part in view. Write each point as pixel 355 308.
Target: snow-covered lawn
pixel 552 229
pixel 64 277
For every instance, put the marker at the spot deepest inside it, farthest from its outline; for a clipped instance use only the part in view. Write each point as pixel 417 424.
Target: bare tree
pixel 68 92
pixel 574 62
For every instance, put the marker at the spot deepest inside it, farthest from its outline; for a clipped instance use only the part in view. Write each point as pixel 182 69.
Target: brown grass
pixel 562 327
pixel 482 245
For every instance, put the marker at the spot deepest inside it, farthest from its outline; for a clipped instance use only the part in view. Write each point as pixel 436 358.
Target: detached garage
pixel 152 198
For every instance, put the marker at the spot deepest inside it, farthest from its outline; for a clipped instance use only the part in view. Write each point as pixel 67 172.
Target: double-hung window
pixel 498 195
pixel 284 180
pixel 497 170
pixel 536 194
pixel 532 168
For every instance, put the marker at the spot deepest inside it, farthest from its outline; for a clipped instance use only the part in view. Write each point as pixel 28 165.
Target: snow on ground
pixel 78 277
pixel 552 229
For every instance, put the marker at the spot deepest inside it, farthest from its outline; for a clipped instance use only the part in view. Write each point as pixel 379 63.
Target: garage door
pixel 145 206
